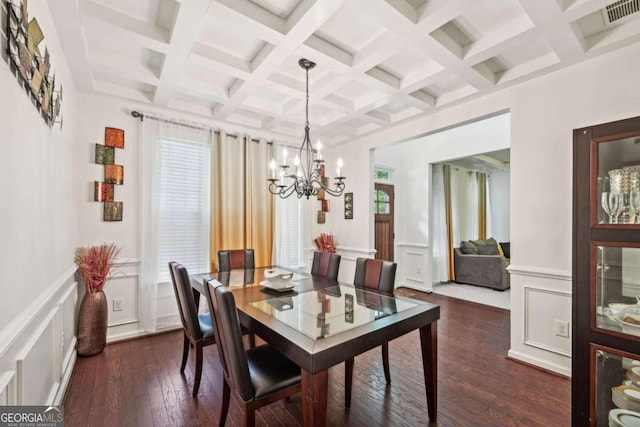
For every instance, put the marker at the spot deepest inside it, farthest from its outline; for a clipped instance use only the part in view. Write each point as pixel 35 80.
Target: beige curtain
pixel 482 206
pixel 241 205
pixel 449 218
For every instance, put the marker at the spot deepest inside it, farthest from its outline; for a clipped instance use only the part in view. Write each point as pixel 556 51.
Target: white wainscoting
pixel 37 350
pixel 539 297
pixel 8 392
pixel 125 286
pixel 348 261
pixel 413 265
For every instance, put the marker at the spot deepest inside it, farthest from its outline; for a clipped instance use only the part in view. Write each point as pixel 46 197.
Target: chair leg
pixel 185 353
pixel 226 395
pixel 385 362
pixel 348 379
pixel 198 374
pixel 252 340
pixel 250 414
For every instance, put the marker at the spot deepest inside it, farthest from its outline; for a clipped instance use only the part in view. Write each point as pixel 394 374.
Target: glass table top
pixel 253 277
pixel 330 311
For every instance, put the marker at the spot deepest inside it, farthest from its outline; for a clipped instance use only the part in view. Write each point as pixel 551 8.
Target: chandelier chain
pixel 306 123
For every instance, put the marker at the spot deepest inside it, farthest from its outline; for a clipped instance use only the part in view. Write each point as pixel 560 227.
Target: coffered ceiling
pixel 380 62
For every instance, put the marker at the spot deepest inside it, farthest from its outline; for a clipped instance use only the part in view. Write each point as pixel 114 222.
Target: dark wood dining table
pixel 320 323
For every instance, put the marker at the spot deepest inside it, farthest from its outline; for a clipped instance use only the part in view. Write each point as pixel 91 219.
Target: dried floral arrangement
pixel 94 264
pixel 326 242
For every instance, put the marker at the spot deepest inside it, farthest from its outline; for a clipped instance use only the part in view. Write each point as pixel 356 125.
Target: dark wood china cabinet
pixel 606 274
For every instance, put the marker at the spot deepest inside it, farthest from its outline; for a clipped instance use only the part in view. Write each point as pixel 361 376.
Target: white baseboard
pixel 544 364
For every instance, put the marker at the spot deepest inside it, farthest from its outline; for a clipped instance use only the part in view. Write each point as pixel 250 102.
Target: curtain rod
pixel 141 116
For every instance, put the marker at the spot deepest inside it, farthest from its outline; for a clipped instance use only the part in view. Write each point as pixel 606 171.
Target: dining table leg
pixel 314 398
pixel 429 344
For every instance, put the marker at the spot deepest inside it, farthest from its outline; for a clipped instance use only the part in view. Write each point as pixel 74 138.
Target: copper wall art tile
pixel 321 217
pixel 114 174
pixel 102 192
pixel 112 211
pixel 325 206
pixel 105 155
pixel 114 137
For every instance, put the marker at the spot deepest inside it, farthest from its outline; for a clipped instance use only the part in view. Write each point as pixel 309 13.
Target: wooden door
pixel 383 212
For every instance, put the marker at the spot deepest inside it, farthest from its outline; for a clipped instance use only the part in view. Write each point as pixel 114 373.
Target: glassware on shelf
pixel 613 205
pixel 634 203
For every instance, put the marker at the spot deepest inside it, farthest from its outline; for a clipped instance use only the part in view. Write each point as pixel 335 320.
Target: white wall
pixel 38 233
pixel 544 112
pixel 413 186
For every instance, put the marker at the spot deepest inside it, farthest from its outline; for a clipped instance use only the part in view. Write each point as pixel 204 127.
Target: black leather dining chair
pixel 377 275
pixel 326 265
pixel 259 376
pixel 197 328
pixel 233 259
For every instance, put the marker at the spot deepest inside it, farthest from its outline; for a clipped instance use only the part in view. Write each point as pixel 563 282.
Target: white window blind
pixel 292 235
pixel 184 217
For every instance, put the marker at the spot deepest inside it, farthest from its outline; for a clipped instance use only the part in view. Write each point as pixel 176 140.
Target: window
pixel 291 232
pixel 184 208
pixel 382 175
pixel 381 202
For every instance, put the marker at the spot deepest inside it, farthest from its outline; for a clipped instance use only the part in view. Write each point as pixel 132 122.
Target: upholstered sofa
pixel 483 264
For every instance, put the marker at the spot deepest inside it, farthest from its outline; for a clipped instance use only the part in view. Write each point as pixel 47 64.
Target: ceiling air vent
pixel 619 10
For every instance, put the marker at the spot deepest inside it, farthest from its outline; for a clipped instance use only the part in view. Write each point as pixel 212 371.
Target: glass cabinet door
pixel 617 286
pixel 616 388
pixel 618 182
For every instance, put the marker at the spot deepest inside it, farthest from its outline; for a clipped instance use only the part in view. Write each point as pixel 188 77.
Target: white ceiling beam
pixel 216 59
pixel 186 27
pixel 264 24
pixel 513 35
pixel 135 30
pixel 125 68
pixel 66 17
pixel 299 31
pixel 112 89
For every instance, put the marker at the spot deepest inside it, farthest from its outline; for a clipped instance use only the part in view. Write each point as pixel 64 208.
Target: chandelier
pixel 306 177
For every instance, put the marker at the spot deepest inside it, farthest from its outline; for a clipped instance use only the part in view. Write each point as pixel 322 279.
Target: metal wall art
pixel 31 67
pixel 113 174
pixel 348 205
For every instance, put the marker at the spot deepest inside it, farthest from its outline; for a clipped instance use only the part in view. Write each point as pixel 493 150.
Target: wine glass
pixel 619 207
pixel 609 204
pixel 634 203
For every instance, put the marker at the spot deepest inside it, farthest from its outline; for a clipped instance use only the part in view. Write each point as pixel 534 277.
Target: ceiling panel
pixel 379 62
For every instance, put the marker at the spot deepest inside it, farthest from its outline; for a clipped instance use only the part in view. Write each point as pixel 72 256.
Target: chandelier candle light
pixel 307 173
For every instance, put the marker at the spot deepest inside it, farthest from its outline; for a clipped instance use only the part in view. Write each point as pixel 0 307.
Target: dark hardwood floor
pixel 138 383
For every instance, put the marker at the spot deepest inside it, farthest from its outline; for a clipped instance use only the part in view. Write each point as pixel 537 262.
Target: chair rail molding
pixel 545 273
pixel 352 253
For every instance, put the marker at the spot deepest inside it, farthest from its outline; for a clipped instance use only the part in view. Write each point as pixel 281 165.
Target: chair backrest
pixel 228 336
pixel 186 301
pixel 236 259
pixel 375 274
pixel 325 265
pixel 209 291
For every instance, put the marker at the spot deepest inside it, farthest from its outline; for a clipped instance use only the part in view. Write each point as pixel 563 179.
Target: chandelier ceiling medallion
pixel 307 174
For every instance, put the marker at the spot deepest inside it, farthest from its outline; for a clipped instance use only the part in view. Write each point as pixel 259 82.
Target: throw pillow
pixel 500 251
pixel 487 247
pixel 506 248
pixel 488 250
pixel 468 248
